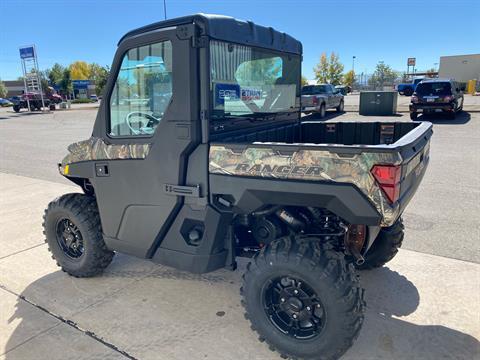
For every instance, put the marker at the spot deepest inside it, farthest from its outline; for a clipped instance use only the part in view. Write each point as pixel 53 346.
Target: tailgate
pixel 307 100
pixel 415 152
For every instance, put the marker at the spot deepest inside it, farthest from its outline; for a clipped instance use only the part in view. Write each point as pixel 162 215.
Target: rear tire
pixel 326 312
pixel 16 108
pixel 340 107
pixel 413 115
pixel 322 112
pixel 385 246
pixel 73 233
pixel 408 92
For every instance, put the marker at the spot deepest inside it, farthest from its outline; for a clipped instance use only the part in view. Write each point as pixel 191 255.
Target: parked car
pixel 94 98
pixel 35 100
pixel 14 99
pixel 5 102
pixel 344 89
pixel 55 98
pixel 409 88
pixel 319 98
pixel 437 95
pixel 306 201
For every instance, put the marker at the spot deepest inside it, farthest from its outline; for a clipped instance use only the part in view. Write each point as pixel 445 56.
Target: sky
pixel 372 31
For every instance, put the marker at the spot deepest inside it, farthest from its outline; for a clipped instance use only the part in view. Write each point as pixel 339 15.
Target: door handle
pixel 102 170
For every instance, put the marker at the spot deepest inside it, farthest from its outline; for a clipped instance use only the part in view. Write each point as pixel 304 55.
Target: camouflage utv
pixel 199 156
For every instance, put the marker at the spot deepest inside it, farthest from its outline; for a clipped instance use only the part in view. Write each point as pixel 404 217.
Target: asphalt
pixel 442 219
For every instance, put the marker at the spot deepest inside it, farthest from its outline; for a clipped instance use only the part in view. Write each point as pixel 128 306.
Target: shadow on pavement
pixel 328 116
pixel 389 296
pixel 442 119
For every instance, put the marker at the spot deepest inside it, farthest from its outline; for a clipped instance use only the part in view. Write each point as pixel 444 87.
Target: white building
pixel 460 67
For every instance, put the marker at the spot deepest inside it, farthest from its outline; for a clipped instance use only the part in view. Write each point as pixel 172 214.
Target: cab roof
pixel 227 28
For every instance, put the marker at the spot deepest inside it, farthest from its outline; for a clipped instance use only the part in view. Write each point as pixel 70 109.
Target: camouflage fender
pixel 96 149
pixel 309 164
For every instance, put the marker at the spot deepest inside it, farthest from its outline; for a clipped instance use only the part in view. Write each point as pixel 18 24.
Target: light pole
pixel 165 9
pixel 353 63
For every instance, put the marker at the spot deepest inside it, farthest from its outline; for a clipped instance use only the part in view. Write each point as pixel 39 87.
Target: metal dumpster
pixel 378 102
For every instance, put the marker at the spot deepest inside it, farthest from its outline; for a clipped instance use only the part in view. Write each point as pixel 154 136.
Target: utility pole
pixel 165 8
pixel 353 63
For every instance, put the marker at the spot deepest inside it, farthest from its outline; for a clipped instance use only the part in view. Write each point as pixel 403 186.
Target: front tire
pixel 303 299
pixel 385 246
pixel 408 92
pixel 413 115
pixel 73 233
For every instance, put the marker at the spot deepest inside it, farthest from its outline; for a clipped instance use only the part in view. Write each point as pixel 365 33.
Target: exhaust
pixel 354 240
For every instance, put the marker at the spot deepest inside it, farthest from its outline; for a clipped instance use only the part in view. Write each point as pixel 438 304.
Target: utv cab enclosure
pixel 199 156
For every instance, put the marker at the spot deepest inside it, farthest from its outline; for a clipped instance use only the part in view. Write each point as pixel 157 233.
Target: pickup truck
pixel 224 168
pixel 319 98
pixel 34 99
pixel 408 88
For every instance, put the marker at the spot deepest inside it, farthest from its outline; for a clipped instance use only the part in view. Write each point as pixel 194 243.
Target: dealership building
pixel 461 68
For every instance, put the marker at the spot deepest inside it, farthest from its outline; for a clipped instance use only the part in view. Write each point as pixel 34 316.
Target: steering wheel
pixel 146 129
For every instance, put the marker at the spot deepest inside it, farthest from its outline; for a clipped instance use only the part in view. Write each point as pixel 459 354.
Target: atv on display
pixel 199 156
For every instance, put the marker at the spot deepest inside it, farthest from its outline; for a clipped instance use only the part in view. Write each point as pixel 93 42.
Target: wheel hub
pixel 294 308
pixel 69 238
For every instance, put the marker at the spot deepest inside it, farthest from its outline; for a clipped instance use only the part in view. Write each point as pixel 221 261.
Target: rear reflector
pixel 388 178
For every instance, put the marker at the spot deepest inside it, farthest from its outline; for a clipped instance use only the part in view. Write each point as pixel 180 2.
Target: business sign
pixel 27 52
pixel 411 61
pixel 80 84
pixel 226 91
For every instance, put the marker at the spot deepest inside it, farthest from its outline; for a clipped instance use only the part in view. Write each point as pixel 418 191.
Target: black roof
pixel 229 29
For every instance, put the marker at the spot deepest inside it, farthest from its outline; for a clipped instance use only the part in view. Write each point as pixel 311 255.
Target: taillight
pixel 448 98
pixel 388 178
pixel 315 100
pixel 414 99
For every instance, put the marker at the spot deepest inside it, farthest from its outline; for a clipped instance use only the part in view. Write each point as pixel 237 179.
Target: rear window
pixel 314 90
pixel 434 88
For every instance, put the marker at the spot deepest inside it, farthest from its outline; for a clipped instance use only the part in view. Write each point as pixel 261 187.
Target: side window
pixel 142 91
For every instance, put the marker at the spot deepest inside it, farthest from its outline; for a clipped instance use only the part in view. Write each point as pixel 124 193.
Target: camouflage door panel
pixel 96 149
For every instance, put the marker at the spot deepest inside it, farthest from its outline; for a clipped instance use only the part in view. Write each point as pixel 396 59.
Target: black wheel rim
pixel 294 308
pixel 69 238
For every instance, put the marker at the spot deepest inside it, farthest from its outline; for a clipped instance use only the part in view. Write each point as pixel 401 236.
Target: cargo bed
pixel 344 152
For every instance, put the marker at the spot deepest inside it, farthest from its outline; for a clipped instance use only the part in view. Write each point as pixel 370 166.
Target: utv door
pixel 148 113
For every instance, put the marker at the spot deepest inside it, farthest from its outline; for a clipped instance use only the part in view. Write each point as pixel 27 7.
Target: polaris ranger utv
pixel 199 156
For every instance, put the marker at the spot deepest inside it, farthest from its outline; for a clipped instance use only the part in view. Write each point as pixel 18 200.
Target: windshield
pixel 247 81
pixel 434 88
pixel 314 90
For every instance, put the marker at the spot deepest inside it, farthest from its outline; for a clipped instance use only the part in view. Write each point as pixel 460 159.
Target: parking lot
pixel 424 305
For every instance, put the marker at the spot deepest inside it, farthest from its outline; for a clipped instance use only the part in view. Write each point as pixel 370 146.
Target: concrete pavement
pixel 419 307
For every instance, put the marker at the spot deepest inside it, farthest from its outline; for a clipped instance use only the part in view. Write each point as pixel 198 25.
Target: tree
pixel 329 70
pixel 335 70
pixel 349 78
pixel 321 69
pixel 304 81
pixel 55 74
pixel 3 89
pixel 383 75
pixel 99 75
pixel 79 70
pixel 66 82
